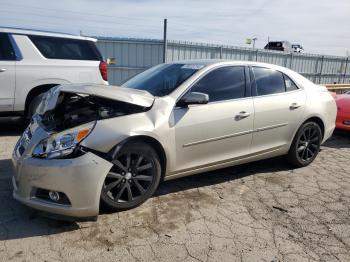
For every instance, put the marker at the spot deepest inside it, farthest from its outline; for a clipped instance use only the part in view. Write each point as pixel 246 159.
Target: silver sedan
pixel 112 145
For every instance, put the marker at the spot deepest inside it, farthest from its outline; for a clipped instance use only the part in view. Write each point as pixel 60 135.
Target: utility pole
pixel 165 44
pixel 254 39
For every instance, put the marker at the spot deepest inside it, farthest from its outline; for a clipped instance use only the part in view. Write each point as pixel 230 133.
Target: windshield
pixel 162 79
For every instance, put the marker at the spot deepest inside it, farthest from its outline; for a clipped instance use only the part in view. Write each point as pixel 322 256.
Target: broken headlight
pixel 62 144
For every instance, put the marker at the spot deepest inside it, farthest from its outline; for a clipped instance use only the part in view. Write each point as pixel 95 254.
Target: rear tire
pixel 306 145
pixel 133 179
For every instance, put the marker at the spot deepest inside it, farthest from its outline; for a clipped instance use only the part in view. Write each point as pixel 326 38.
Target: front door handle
pixel 3 70
pixel 294 106
pixel 242 115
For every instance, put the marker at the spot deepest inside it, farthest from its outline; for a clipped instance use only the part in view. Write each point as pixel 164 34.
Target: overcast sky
pixel 321 26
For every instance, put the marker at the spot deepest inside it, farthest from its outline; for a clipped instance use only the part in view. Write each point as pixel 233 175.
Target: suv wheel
pixel 133 179
pixel 306 145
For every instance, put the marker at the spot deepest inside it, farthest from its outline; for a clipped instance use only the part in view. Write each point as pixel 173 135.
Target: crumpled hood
pixel 127 95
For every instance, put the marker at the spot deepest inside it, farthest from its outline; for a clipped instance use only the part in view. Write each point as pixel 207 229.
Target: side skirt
pixel 277 151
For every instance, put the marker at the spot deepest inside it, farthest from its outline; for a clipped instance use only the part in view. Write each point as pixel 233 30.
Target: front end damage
pixel 64 108
pixel 69 187
pixel 54 172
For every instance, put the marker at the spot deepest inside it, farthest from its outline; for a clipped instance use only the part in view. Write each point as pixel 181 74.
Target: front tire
pixel 306 145
pixel 133 178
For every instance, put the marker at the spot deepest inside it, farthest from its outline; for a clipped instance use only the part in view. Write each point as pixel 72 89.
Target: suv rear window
pixel 66 48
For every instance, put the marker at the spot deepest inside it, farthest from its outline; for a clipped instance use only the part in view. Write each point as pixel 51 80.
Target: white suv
pixel 32 62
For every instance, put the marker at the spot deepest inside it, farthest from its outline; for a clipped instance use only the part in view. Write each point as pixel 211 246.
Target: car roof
pixel 207 62
pixel 24 31
pixel 217 62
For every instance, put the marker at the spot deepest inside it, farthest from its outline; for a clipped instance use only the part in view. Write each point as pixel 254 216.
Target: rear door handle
pixel 3 70
pixel 242 115
pixel 294 106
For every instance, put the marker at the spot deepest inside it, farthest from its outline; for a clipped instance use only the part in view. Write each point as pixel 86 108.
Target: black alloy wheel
pixel 306 145
pixel 133 178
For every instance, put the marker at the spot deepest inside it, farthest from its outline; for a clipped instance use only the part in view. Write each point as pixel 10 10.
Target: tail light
pixel 103 70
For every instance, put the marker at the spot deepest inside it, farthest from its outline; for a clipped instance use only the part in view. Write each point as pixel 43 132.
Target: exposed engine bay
pixel 73 109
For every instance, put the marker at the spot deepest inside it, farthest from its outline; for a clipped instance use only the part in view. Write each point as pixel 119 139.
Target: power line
pixel 76 12
pixel 116 24
pixel 113 21
pixel 120 30
pixel 214 30
pixel 85 19
pixel 104 15
pixel 62 24
pixel 115 17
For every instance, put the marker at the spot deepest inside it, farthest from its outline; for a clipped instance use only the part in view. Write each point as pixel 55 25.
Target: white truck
pixel 32 62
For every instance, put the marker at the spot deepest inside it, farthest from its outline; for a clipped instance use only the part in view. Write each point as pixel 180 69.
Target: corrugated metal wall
pixel 135 55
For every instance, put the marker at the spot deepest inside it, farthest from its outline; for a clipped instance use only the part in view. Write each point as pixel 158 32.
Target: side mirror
pixel 193 98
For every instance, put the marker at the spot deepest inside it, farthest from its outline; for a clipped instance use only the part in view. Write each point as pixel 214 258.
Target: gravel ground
pixel 258 212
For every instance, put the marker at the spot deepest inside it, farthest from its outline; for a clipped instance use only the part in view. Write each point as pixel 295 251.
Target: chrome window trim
pixel 279 94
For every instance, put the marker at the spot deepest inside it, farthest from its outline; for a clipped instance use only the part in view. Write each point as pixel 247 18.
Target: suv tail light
pixel 103 70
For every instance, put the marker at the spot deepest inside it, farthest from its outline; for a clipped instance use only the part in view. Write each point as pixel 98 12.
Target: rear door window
pixel 66 48
pixel 7 53
pixel 268 81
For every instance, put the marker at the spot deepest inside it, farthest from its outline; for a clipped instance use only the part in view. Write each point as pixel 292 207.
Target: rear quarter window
pixel 290 85
pixel 7 52
pixel 66 48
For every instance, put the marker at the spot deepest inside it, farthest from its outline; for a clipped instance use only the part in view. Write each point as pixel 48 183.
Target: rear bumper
pixel 80 179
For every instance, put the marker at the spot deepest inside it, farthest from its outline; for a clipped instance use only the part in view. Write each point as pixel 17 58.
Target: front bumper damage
pixel 79 180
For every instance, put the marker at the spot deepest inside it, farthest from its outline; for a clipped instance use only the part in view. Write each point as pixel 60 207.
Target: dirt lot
pixel 258 212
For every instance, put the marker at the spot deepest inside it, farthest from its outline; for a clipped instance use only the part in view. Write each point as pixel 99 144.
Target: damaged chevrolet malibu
pixel 89 146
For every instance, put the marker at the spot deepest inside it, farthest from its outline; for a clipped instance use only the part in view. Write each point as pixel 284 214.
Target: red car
pixel 343 115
